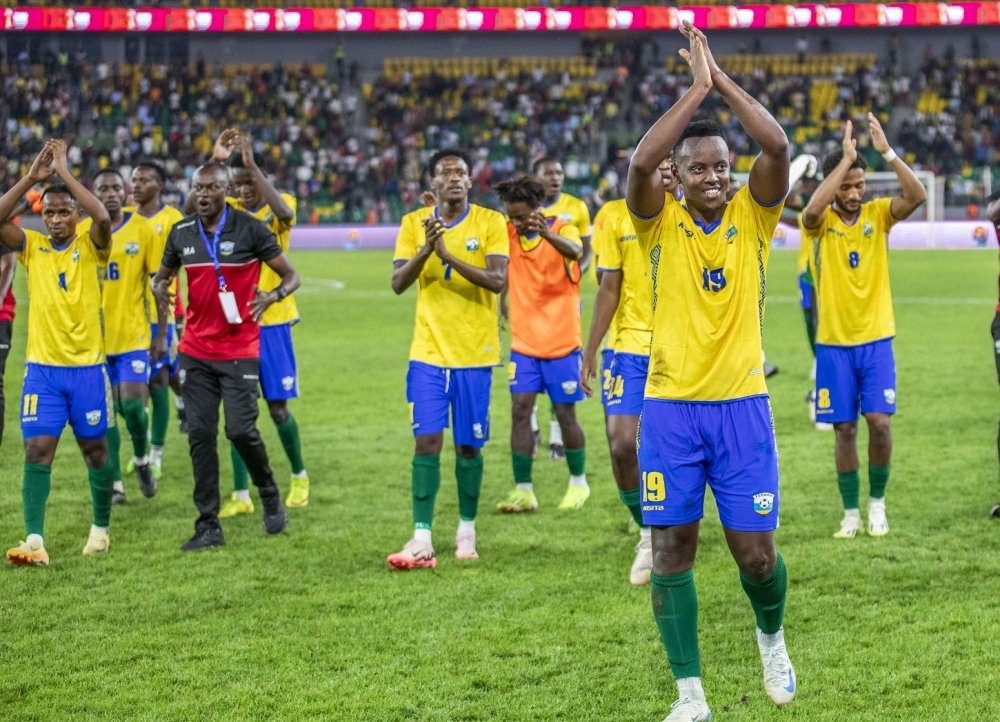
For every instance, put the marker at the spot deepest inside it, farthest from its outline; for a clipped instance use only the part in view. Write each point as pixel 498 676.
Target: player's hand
pixel 713 67
pixel 428 199
pixel 879 141
pixel 129 199
pixel 536 223
pixel 58 150
pixel 261 302
pixel 696 57
pixel 41 168
pixel 850 144
pixel 225 144
pixel 588 373
pixel 245 145
pixel 434 231
pixel 164 298
pixel 158 349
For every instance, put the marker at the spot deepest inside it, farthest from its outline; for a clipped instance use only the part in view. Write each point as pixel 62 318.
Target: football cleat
pixel 779 675
pixel 574 498
pixel 518 501
pixel 147 482
pixel 877 524
pixel 204 539
pixel 97 542
pixel 557 452
pixel 689 709
pixel 642 567
pixel 415 555
pixel 118 497
pixel 28 554
pixel 298 495
pixel 235 507
pixel 850 526
pixel 465 545
pixel 275 519
pixel 995 512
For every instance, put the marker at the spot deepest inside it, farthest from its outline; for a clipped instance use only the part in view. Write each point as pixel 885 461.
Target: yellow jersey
pixel 458 322
pixel 163 220
pixel 65 324
pixel 569 209
pixel 597 245
pixel 621 253
pixel 708 299
pixel 284 311
pixel 850 270
pixel 126 283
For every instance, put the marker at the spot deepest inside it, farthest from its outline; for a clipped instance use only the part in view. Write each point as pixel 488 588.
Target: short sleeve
pixel 294 205
pixel 497 239
pixel 882 208
pixel 151 243
pixel 649 230
pixel 769 214
pixel 171 251
pixel 265 244
pixel 571 233
pixel 30 237
pixel 406 240
pixel 605 244
pixel 581 220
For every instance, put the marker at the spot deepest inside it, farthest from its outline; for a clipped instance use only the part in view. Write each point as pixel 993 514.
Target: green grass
pixel 312 625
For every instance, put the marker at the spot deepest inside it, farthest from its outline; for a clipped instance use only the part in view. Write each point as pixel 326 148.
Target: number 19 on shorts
pixel 653 486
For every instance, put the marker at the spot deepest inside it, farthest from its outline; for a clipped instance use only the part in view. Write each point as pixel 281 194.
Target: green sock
pixel 34 494
pixel 469 473
pixel 849 483
pixel 288 432
pixel 160 401
pixel 137 422
pixel 114 450
pixel 576 459
pixel 241 475
pixel 100 492
pixel 426 482
pixel 675 608
pixel 878 477
pixel 522 467
pixel 630 499
pixel 767 597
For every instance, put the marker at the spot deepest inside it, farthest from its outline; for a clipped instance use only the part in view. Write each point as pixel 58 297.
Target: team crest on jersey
pixel 763 503
pixel 731 233
pixel 159 229
pixel 569 387
pixel 94 417
pixel 268 218
pixel 565 217
pixel 132 248
pixel 867 228
pixel 226 248
pixel 138 366
pixel 288 383
pixel 76 255
pixel 890 396
pixel 477 431
pixel 472 244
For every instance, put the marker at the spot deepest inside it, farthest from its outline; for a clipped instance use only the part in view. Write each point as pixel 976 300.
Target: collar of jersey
pixel 125 219
pixel 64 246
pixel 706 228
pixel 460 218
pixel 556 200
pixel 853 220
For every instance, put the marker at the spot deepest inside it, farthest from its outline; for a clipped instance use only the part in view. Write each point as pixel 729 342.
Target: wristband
pixel 281 291
pixel 890 155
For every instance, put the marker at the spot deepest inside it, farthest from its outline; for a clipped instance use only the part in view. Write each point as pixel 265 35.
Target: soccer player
pixel 572 210
pixel 456 253
pixel 221 250
pixel 279 379
pixel 624 304
pixel 706 415
pixel 127 339
pixel 993 214
pixel 65 381
pixel 148 178
pixel 855 366
pixel 543 290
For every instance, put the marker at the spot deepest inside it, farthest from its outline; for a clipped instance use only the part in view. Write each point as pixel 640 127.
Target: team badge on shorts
pixel 131 248
pixel 763 503
pixel 477 430
pixel 227 248
pixel 138 367
pixel 288 383
pixel 890 396
pixel 94 417
pixel 182 375
pixel 472 244
pixel 569 387
pixel 996 345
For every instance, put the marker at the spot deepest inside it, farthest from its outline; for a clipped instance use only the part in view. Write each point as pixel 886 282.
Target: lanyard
pixel 213 247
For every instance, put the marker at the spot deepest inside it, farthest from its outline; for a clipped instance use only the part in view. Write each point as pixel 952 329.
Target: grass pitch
pixel 313 625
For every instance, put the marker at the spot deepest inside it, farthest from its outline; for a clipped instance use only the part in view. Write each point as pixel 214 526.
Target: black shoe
pixel 995 511
pixel 769 370
pixel 182 421
pixel 118 497
pixel 557 452
pixel 204 539
pixel 275 518
pixel 147 482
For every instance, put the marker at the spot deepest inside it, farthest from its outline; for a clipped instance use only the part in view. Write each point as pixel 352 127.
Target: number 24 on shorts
pixel 653 486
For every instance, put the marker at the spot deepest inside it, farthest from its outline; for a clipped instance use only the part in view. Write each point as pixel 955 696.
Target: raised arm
pixel 10 235
pixel 100 227
pixel 605 306
pixel 281 210
pixel 912 192
pixel 812 214
pixel 644 186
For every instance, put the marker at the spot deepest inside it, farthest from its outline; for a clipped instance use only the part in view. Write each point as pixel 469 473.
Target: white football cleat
pixel 643 564
pixel 850 526
pixel 877 524
pixel 779 675
pixel 689 708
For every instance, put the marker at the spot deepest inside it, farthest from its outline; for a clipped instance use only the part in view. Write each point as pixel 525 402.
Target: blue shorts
pixel 131 366
pixel 557 377
pixel 279 378
pixel 607 359
pixel 628 379
pixel 171 360
pixel 55 395
pixel 730 446
pixel 849 377
pixel 805 290
pixel 430 390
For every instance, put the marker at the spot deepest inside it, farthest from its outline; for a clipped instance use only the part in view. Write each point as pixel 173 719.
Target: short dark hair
pixel 440 155
pixel 212 166
pixel 154 166
pixel 107 171
pixel 542 161
pixel 833 160
pixel 701 129
pixel 523 189
pixel 993 198
pixel 236 160
pixel 58 189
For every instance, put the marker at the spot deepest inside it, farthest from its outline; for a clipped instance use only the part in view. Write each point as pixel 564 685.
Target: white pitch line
pixel 329 283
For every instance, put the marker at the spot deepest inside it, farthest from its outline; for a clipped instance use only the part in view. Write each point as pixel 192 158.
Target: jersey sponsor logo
pixel 689 234
pixel 763 503
pixel 569 387
pixel 138 366
pixel 890 396
pixel 94 417
pixel 867 228
pixel 288 383
pixel 472 244
pixel 188 250
pixel 250 377
pixel 188 224
pixel 624 239
pixel 477 431
pixel 754 372
pixel 43 249
pixel 226 248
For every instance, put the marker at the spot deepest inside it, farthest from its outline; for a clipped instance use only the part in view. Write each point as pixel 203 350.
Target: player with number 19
pixel 855 366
